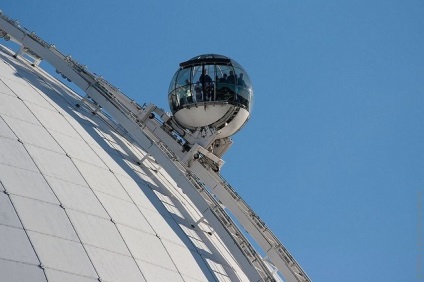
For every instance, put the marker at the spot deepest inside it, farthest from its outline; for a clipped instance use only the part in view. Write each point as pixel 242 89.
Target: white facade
pixel 76 206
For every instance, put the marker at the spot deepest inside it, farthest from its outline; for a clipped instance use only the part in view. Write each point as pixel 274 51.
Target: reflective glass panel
pixel 206 80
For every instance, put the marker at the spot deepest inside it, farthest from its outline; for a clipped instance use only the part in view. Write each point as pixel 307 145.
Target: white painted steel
pixel 16 181
pixel 15 271
pixel 199 116
pixel 54 275
pixel 61 254
pixel 238 121
pixel 8 216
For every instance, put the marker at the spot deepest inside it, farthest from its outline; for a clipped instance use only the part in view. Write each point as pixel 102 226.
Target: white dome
pixel 75 206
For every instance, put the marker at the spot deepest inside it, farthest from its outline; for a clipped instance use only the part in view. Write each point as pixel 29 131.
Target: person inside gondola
pixel 240 80
pixel 207 85
pixel 232 78
pixel 224 78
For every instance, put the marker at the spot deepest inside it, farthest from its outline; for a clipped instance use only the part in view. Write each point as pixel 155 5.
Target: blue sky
pixel 332 158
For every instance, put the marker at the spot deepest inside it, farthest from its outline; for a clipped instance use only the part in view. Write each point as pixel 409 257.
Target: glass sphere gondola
pixel 211 91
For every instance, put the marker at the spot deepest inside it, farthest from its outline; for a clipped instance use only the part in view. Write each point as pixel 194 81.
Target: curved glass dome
pixel 210 79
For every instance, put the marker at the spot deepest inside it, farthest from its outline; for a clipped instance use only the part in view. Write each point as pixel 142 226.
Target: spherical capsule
pixel 211 91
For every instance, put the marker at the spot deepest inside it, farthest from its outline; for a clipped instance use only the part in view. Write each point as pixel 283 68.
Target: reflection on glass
pixel 201 82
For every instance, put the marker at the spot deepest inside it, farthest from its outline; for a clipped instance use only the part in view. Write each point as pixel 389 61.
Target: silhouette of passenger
pixel 205 78
pixel 207 85
pixel 224 78
pixel 232 78
pixel 240 81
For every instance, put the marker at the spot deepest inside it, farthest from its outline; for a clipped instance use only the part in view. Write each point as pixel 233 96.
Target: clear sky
pixel 332 158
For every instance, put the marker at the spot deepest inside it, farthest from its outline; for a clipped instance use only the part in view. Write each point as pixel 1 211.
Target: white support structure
pixel 191 166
